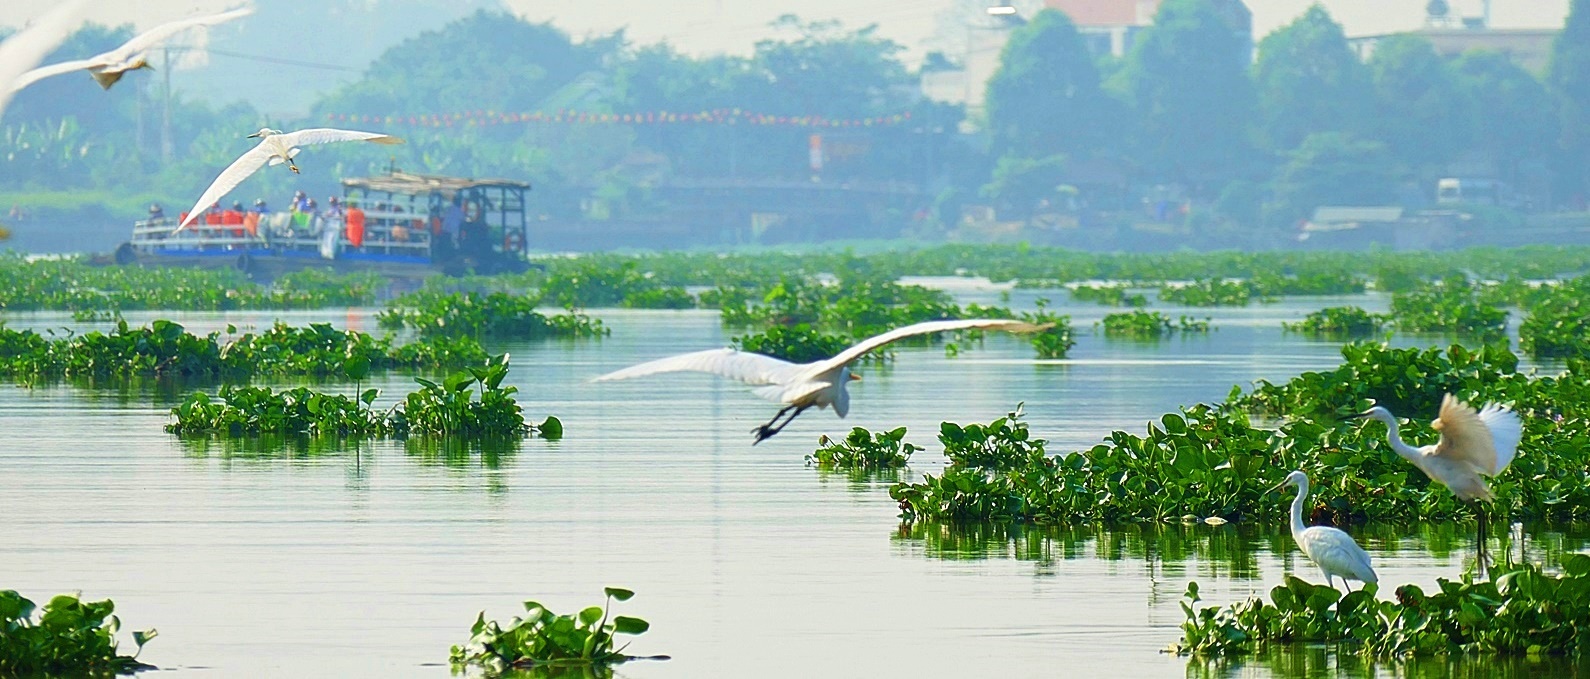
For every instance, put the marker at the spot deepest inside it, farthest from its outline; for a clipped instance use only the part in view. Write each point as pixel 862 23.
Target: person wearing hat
pixel 259 206
pixel 156 213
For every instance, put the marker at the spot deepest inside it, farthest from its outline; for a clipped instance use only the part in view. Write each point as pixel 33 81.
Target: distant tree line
pixel 1249 142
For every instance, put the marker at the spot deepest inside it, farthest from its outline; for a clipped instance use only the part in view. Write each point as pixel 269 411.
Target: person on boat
pixel 259 206
pixel 302 203
pixel 233 218
pixel 156 213
pixel 353 220
pixel 333 208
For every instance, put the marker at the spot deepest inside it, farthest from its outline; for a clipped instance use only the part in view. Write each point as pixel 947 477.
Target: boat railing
pixel 385 233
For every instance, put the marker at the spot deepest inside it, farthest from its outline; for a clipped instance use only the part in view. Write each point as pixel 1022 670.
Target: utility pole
pixel 165 112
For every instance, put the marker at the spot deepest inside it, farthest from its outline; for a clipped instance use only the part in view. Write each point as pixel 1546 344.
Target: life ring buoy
pixel 512 240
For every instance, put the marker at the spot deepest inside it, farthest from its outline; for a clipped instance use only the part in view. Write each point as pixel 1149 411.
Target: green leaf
pixel 459 381
pixel 551 429
pixel 591 615
pixel 618 593
pixel 627 625
pixel 142 637
pixel 356 367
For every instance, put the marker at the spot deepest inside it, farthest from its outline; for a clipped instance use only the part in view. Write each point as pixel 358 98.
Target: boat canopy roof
pixel 422 184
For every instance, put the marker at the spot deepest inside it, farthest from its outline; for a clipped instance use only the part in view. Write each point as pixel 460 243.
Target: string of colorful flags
pixel 726 116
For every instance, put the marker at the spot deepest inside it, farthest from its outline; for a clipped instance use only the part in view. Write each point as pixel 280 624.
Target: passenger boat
pixel 391 224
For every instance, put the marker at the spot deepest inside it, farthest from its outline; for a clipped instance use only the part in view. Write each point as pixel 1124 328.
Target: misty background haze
pixel 1100 124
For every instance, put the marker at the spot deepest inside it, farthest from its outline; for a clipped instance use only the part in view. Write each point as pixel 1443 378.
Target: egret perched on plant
pixel 275 147
pixel 1334 551
pixel 27 47
pixel 802 385
pixel 1473 445
pixel 109 67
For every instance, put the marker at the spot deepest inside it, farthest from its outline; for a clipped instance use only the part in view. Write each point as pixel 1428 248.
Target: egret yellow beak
pixel 1359 416
pixel 252 136
pixel 1277 487
pixel 855 377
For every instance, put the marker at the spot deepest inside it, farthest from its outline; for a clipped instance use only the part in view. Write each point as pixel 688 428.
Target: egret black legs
pixel 1481 557
pixel 768 430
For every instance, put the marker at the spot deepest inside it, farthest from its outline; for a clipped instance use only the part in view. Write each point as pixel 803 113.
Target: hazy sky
pixel 701 26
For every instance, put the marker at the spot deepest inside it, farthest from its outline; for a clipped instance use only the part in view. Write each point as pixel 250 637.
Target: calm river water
pixel 370 560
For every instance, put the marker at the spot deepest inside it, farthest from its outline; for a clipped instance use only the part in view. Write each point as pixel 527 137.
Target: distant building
pixel 1530 48
pixel 1452 34
pixel 1111 26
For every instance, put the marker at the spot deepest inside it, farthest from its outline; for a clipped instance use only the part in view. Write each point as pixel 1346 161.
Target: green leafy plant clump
pixel 1523 611
pixel 445 409
pixel 68 636
pixel 1452 306
pixel 73 285
pixel 1118 294
pixel 1149 325
pixel 543 639
pixel 1558 324
pixel 1208 292
pixel 1214 461
pixel 165 349
pixel 496 314
pixel 798 344
pixel 864 450
pixel 1341 321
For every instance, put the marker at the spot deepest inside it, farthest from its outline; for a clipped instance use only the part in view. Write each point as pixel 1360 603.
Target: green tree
pixel 1308 80
pixel 1569 78
pixel 1420 112
pixel 1333 168
pixel 1187 77
pixel 1517 124
pixel 1045 98
pixel 1021 185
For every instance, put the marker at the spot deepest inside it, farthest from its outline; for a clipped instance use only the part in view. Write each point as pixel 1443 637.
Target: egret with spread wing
pixel 25 49
pixel 275 147
pixel 802 385
pixel 1334 551
pixel 109 67
pixel 1473 445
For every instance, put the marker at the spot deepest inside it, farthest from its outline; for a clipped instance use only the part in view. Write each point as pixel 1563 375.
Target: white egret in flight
pixel 29 46
pixel 275 147
pixel 109 67
pixel 1473 445
pixel 802 385
pixel 1334 551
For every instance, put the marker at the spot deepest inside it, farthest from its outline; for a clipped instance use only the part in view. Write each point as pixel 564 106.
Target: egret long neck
pixel 1297 512
pixel 1394 437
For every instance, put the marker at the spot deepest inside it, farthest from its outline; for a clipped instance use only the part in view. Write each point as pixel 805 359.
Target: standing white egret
pixel 802 385
pixel 24 50
pixel 275 147
pixel 1334 551
pixel 109 67
pixel 1472 445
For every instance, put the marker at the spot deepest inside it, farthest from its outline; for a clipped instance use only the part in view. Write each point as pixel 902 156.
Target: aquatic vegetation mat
pixel 441 409
pixel 166 349
pixel 1524 611
pixel 1217 460
pixel 471 314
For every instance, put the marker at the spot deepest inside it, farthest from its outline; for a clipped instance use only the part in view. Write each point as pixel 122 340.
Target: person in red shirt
pixel 353 217
pixel 234 219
